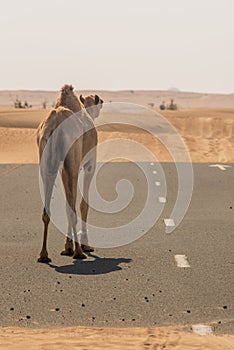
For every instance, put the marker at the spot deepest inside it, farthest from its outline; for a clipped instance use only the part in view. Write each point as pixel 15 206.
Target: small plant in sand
pixel 172 106
pixel 162 106
pixel 19 104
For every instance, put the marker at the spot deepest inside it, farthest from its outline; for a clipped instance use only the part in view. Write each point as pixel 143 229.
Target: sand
pixel 111 338
pixel 209 136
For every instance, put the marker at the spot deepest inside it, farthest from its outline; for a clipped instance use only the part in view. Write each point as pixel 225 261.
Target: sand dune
pixel 208 135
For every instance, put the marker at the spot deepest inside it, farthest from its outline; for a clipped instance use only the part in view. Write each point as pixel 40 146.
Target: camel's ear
pixel 97 99
pixel 71 88
pixel 82 99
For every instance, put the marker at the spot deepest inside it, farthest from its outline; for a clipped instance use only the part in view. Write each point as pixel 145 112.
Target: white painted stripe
pixel 220 166
pixel 202 329
pixel 162 199
pixel 151 163
pixel 169 222
pixel 181 260
pixel 157 183
pixel 155 172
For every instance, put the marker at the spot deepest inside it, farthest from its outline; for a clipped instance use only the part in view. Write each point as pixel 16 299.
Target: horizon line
pixel 123 90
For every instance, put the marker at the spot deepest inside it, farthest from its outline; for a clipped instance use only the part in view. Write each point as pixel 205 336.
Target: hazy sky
pixel 121 44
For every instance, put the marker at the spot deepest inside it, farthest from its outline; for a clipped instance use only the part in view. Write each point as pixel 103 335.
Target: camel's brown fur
pixel 68 104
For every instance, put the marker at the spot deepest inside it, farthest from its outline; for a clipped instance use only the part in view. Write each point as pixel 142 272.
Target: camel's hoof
pixel 87 248
pixel 67 252
pixel 80 255
pixel 44 260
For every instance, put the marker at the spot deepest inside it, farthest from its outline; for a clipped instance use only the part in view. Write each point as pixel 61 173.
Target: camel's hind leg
pixel 69 249
pixel 69 176
pixel 89 169
pixel 48 183
pixel 44 254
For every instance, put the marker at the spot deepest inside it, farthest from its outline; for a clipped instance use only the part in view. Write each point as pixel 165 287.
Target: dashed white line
pixel 157 183
pixel 169 222
pixel 220 166
pixel 155 172
pixel 202 329
pixel 181 260
pixel 152 164
pixel 162 199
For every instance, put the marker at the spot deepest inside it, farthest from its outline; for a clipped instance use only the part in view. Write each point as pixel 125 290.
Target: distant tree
pixel 26 105
pixel 162 106
pixel 172 106
pixel 18 104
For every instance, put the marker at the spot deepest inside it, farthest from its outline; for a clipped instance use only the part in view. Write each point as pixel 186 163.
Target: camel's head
pixel 92 104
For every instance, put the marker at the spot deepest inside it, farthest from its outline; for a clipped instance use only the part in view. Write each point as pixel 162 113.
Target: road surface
pixel 139 284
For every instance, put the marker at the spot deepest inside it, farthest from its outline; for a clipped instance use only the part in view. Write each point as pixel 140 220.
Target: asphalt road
pixel 138 284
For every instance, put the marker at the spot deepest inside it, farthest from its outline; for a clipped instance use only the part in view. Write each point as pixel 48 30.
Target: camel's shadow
pixel 99 266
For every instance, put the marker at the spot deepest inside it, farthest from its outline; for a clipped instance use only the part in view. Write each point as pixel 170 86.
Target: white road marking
pixel 169 222
pixel 220 166
pixel 155 172
pixel 162 199
pixel 181 261
pixel 152 164
pixel 202 329
pixel 157 183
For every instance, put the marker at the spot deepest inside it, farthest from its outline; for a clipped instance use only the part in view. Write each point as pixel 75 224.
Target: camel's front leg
pixel 89 169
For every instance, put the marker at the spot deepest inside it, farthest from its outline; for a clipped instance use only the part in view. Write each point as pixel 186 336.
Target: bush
pixel 172 106
pixel 162 106
pixel 18 104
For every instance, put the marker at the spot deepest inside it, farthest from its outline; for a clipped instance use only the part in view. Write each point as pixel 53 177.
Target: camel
pixel 85 111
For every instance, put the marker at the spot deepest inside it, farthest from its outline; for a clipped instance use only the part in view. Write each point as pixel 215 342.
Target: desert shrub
pixel 162 106
pixel 172 106
pixel 19 104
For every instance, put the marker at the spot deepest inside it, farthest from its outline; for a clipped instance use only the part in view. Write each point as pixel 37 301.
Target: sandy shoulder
pixel 110 338
pixel 18 146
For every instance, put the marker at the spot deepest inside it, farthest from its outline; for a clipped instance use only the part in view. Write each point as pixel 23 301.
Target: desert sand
pixel 209 136
pixel 111 338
